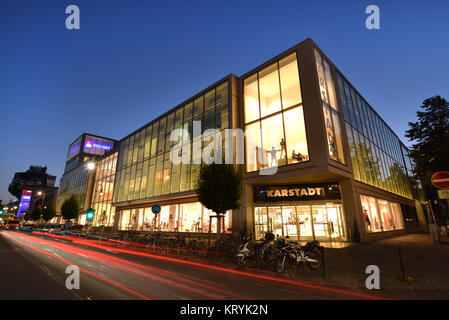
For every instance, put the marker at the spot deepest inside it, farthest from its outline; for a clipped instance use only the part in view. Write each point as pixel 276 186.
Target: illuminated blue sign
pixel 24 202
pixel 90 145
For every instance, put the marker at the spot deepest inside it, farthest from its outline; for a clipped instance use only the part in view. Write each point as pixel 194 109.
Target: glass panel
pixel 198 106
pixel 273 141
pixel 190 217
pixel 330 85
pixel 261 222
pixel 251 99
pixel 291 89
pixel 305 222
pixel 291 223
pixel 253 146
pixel 295 133
pixel 337 135
pixel 275 220
pixel 270 101
pixel 222 95
pixel 209 100
pixel 319 218
pixel 334 221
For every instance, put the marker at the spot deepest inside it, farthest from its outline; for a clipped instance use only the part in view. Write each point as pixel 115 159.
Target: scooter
pixel 243 251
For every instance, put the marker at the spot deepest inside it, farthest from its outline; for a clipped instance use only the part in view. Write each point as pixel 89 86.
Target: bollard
pixel 323 262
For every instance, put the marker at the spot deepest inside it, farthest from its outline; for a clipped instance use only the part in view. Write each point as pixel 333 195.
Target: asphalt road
pixel 34 266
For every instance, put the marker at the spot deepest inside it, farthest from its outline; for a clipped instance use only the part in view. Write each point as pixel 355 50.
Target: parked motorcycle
pixel 243 251
pixel 295 254
pixel 266 249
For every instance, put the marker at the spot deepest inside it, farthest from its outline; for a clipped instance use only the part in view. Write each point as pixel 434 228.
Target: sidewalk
pixel 426 267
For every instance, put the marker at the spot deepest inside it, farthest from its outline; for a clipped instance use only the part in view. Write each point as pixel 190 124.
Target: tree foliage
pixel 219 187
pixel 36 213
pixel 70 208
pixel 48 213
pixel 28 216
pixel 430 135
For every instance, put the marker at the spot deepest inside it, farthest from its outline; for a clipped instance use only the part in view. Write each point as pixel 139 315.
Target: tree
pixel 219 188
pixel 430 133
pixel 70 208
pixel 28 216
pixel 36 213
pixel 430 151
pixel 48 213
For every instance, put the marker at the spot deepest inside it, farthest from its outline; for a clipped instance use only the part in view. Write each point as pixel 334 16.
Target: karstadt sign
pixel 297 192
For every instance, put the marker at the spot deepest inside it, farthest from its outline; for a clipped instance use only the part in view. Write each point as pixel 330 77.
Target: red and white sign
pixel 440 179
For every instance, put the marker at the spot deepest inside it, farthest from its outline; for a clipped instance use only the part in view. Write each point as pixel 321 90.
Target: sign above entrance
pixel 297 192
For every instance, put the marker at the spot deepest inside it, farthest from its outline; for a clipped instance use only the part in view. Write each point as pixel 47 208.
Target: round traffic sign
pixel 440 179
pixel 156 208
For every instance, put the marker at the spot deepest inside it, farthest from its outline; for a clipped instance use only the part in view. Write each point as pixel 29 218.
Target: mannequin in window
pixel 283 148
pixel 273 153
pixel 297 156
pixel 367 221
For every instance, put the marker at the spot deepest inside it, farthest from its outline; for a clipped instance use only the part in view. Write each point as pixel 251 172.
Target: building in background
pixel 31 186
pixel 79 173
pixel 337 163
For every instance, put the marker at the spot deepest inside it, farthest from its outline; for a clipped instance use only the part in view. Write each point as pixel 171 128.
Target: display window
pixel 381 215
pixel 303 222
pixel 186 217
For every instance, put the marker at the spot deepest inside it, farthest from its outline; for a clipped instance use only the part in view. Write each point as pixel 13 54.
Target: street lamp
pixel 90 166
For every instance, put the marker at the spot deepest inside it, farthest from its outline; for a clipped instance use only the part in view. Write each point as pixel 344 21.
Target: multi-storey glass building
pixel 79 177
pixel 317 159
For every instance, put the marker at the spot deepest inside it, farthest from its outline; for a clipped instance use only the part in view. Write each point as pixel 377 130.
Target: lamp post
pixel 40 193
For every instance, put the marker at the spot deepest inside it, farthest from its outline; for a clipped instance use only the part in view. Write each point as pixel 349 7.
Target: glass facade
pixel 376 152
pixel 304 222
pixel 330 109
pixel 381 215
pixel 144 169
pixel 185 217
pixel 73 183
pixel 103 189
pixel 74 149
pixel 274 119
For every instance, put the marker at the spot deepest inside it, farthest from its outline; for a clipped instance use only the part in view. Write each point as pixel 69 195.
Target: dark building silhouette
pixel 37 185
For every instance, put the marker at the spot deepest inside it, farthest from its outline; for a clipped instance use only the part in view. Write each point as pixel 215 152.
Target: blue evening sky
pixel 132 60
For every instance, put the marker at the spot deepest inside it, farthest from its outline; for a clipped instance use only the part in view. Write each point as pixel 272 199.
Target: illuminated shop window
pixel 381 215
pixel 187 217
pixel 303 222
pixel 275 129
